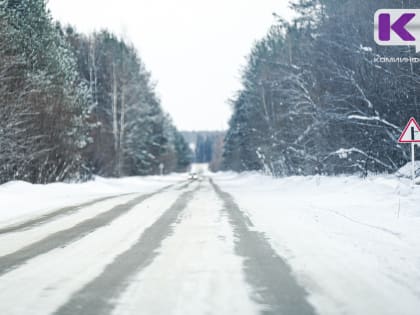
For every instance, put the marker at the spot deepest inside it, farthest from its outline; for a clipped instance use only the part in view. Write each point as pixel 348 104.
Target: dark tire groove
pixel 51 216
pixel 268 274
pixel 65 237
pixel 98 296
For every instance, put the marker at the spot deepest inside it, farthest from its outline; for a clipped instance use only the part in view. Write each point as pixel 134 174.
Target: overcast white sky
pixel 194 48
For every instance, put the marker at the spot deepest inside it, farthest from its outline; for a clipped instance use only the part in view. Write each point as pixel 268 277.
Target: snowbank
pixel 353 243
pixel 21 200
pixel 405 171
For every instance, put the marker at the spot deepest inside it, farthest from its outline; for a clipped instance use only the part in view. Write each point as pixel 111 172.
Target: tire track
pixel 51 216
pixel 63 238
pixel 269 275
pixel 98 296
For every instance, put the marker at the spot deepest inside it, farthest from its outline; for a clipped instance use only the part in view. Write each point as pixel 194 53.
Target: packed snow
pixel 197 271
pixel 353 243
pixel 19 201
pixel 71 267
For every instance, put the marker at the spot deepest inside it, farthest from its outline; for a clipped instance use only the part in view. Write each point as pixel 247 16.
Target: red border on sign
pixel 412 119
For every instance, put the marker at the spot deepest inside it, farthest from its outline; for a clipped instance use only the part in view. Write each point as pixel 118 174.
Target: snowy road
pixel 184 248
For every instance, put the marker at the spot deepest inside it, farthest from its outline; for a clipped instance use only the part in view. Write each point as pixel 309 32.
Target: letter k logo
pixel 398 27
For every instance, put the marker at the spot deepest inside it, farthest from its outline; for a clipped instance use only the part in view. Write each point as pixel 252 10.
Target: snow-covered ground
pixel 196 272
pixel 353 243
pixel 48 280
pixel 20 201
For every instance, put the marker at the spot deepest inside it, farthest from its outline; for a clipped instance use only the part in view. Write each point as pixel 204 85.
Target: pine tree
pixel 47 94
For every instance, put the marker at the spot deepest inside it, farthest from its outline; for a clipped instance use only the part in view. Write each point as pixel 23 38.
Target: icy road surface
pixel 183 248
pixel 225 244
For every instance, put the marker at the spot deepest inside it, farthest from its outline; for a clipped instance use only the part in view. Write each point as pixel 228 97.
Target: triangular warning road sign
pixel 411 132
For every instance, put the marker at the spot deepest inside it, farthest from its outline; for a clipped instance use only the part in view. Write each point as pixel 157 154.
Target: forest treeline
pixel 207 147
pixel 316 98
pixel 73 105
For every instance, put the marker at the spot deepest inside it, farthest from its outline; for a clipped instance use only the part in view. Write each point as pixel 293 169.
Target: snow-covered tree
pixel 133 135
pixel 315 101
pixel 48 104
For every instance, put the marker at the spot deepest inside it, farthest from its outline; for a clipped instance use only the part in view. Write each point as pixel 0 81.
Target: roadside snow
pixel 353 243
pixel 405 171
pixel 20 201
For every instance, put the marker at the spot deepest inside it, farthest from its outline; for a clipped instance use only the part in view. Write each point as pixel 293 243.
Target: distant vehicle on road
pixel 193 176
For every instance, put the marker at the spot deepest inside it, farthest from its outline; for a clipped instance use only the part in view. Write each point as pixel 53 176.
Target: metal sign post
pixel 411 134
pixel 413 165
